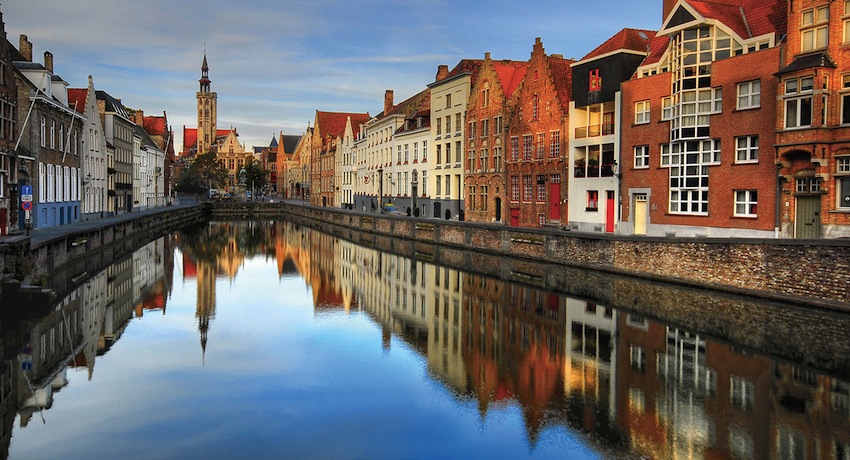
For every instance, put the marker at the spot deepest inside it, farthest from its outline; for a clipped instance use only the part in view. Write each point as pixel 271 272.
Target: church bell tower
pixel 207 111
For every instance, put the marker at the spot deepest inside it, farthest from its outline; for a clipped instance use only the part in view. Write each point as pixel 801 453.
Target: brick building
pixel 484 166
pixel 328 130
pixel 537 141
pixel 9 175
pixel 813 122
pixel 694 162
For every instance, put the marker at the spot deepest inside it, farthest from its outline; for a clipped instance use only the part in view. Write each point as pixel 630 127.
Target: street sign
pixel 26 197
pixel 26 190
pixel 26 205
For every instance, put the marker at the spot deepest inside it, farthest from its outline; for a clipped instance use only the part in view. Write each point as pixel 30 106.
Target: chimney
pixel 557 56
pixel 139 117
pixel 442 72
pixel 26 48
pixel 668 8
pixel 487 56
pixel 388 101
pixel 48 61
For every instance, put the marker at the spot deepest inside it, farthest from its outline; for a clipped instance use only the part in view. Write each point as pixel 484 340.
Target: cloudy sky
pixel 274 63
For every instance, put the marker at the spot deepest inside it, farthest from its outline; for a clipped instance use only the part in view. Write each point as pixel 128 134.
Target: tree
pixel 255 175
pixel 204 172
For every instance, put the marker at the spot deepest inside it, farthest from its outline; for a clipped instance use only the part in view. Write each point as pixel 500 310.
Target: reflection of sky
pixel 276 381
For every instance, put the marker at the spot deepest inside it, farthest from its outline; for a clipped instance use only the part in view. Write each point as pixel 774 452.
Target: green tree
pixel 255 175
pixel 203 172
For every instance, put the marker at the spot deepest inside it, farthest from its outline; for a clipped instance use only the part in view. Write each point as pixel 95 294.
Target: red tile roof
pixel 155 126
pixel 77 99
pixel 657 48
pixel 626 39
pixel 562 78
pixel 190 137
pixel 333 123
pixel 510 75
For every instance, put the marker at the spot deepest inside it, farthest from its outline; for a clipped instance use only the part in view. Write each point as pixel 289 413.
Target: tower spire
pixel 205 78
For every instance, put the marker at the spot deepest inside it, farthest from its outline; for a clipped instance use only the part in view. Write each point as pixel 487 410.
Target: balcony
pixel 604 129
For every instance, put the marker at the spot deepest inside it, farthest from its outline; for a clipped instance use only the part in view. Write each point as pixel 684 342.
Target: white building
pixel 93 162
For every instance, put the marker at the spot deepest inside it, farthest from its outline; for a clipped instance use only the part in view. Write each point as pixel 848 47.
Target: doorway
pixel 609 211
pixel 640 212
pixel 807 222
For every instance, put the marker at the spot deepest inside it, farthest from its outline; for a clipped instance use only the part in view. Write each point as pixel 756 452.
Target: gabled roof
pixel 657 48
pixel 77 99
pixel 625 40
pixel 808 61
pixel 747 18
pixel 273 143
pixel 408 106
pixel 111 104
pixel 333 123
pixel 155 126
pixel 562 78
pixel 510 75
pixel 290 143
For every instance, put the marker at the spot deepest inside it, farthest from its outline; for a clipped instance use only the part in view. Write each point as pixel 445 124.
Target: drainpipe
pixel 777 213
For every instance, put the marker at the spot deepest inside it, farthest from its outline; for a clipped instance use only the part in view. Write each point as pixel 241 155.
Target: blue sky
pixel 274 63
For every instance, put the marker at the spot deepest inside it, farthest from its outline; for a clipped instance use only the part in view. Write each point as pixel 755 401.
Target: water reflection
pixel 632 386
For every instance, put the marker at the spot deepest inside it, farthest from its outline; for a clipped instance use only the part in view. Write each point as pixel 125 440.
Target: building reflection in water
pixel 628 382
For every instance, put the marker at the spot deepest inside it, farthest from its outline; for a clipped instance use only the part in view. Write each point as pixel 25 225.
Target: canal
pixel 269 340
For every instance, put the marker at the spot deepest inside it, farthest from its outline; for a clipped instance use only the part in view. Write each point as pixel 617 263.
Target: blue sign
pixel 26 189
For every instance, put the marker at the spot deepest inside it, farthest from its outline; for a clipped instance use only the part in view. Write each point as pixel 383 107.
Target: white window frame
pixel 667 108
pixel 796 91
pixel 746 203
pixel 641 154
pixel 747 149
pixel 814 27
pixel 749 95
pixel 642 112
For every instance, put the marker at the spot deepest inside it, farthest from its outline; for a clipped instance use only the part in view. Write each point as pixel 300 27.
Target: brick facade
pixel 490 103
pixel 533 166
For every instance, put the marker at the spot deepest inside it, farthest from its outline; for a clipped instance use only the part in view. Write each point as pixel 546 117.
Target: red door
pixel 515 217
pixel 555 201
pixel 609 212
pixel 3 221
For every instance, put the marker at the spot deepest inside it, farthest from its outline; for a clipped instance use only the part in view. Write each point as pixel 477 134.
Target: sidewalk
pixel 40 236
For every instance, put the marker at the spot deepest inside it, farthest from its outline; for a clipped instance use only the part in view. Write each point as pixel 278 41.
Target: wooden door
pixel 609 211
pixel 807 222
pixel 555 201
pixel 640 209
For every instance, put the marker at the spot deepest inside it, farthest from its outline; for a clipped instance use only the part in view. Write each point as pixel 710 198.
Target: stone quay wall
pixel 806 272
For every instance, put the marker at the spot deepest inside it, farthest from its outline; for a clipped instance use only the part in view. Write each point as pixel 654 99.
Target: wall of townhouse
pixel 769 269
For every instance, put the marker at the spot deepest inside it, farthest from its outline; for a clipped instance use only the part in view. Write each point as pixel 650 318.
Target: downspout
pixel 776 221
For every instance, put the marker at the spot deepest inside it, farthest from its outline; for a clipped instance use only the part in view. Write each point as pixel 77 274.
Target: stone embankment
pixel 52 261
pixel 806 272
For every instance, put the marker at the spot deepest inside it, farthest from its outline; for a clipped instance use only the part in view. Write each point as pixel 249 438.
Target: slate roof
pixel 808 61
pixel 112 104
pixel 290 142
pixel 626 39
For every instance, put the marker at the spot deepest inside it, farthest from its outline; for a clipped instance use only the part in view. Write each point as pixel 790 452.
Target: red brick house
pixel 813 122
pixel 537 141
pixel 484 167
pixel 328 130
pixel 697 156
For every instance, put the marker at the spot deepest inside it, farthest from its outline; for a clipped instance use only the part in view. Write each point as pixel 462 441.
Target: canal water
pixel 269 340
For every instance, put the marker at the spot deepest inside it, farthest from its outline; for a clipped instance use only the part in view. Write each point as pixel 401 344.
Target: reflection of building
pixel 590 378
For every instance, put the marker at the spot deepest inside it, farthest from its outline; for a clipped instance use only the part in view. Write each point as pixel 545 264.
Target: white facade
pixel 345 170
pixel 94 162
pixel 449 98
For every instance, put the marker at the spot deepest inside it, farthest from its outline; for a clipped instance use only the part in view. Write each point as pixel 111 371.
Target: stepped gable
pixel 627 39
pixel 190 137
pixel 562 78
pixel 155 126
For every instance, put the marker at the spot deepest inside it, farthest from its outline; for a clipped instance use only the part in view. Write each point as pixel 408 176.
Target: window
pixel 688 162
pixel 554 144
pixel 457 123
pixel 514 188
pixel 458 153
pixel 667 108
pixel 808 185
pixel 846 21
pixel 746 203
pixel 526 147
pixel 535 107
pixel 815 28
pixel 595 80
pixel 439 183
pixel 741 392
pixel 471 129
pixel 485 128
pixel 749 95
pixel 592 200
pixel 541 146
pixel 399 154
pixel 842 180
pixel 448 184
pixel 439 152
pixel 424 151
pixel 747 149
pixel 845 98
pixel 637 358
pixel 485 95
pixel 483 160
pixel 497 159
pixel 448 125
pixel 641 112
pixel 43 131
pixel 798 102
pixel 641 156
pixel 415 152
pixel 526 188
pixel 406 153
pixel 497 125
pixel 448 101
pixel 541 189
pixel 439 126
